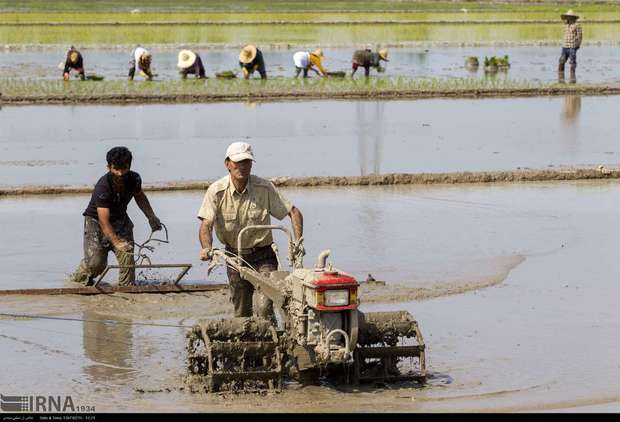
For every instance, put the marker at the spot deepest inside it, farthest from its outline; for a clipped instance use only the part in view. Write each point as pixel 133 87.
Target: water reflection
pixel 108 345
pixel 571 108
pixel 369 128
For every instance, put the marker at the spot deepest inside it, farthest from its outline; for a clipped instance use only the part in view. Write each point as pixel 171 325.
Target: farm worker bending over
pixel 234 202
pixel 74 61
pixel 251 60
pixel 570 45
pixel 367 59
pixel 306 61
pixel 141 58
pixel 190 63
pixel 106 223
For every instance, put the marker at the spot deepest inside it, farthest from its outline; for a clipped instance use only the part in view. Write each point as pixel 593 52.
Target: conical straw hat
pixel 383 53
pixel 186 58
pixel 318 52
pixel 569 14
pixel 248 53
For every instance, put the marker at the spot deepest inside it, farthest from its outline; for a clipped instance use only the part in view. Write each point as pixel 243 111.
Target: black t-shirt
pixel 105 196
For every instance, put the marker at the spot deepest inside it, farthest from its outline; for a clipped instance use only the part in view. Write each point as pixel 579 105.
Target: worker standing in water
pixel 234 202
pixel 107 227
pixel 570 44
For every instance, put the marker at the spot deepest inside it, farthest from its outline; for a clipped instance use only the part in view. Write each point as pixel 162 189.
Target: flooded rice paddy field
pixel 548 321
pixel 175 143
pixel 295 34
pixel 369 235
pixel 532 63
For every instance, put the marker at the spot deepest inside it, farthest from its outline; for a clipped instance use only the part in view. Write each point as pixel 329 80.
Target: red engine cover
pixel 333 279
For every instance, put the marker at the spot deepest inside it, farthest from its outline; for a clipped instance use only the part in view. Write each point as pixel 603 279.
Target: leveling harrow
pixel 320 331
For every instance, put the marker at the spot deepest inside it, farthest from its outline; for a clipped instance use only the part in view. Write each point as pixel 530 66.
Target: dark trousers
pixel 568 53
pixel 264 260
pixel 96 249
pixel 299 69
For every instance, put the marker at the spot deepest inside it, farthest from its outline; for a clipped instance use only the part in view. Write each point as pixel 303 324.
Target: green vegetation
pixel 285 5
pixel 226 74
pixel 455 15
pixel 334 35
pixel 498 62
pixel 242 89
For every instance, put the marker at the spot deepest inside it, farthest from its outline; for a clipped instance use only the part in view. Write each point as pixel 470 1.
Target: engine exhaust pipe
pixel 322 259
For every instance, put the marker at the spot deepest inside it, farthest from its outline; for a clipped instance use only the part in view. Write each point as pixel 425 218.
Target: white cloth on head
pixel 302 59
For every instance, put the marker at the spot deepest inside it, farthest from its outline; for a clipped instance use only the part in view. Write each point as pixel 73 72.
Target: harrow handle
pixel 296 262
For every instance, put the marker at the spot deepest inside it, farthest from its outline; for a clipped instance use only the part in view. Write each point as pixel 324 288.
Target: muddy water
pixel 359 244
pixel 519 345
pixel 536 63
pixel 324 138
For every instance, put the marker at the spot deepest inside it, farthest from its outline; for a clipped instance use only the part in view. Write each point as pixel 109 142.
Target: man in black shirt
pixel 106 223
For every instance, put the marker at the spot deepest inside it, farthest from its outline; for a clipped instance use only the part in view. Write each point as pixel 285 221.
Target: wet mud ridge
pixel 388 94
pixel 513 176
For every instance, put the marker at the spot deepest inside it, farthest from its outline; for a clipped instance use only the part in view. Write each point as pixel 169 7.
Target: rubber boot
pixel 561 73
pixel 573 75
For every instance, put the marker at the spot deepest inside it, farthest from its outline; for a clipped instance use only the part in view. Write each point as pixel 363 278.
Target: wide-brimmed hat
pixel 186 58
pixel 318 52
pixel 239 151
pixel 383 53
pixel 248 53
pixel 569 14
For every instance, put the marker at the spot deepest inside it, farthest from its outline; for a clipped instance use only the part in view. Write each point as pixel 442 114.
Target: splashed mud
pixel 394 293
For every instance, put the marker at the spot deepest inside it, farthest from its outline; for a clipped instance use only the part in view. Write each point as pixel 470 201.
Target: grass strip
pixel 42 92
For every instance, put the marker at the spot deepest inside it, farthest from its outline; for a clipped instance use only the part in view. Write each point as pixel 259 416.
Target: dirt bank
pixel 587 90
pixel 525 175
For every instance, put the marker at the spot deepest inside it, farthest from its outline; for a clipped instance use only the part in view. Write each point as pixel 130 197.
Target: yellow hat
pixel 248 53
pixel 186 58
pixel 569 14
pixel 73 57
pixel 318 52
pixel 383 53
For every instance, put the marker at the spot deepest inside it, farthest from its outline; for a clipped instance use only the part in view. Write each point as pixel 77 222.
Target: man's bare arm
pixel 103 215
pixel 205 235
pixel 297 219
pixel 145 206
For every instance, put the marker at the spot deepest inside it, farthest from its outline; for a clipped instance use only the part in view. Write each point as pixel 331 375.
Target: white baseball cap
pixel 239 151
